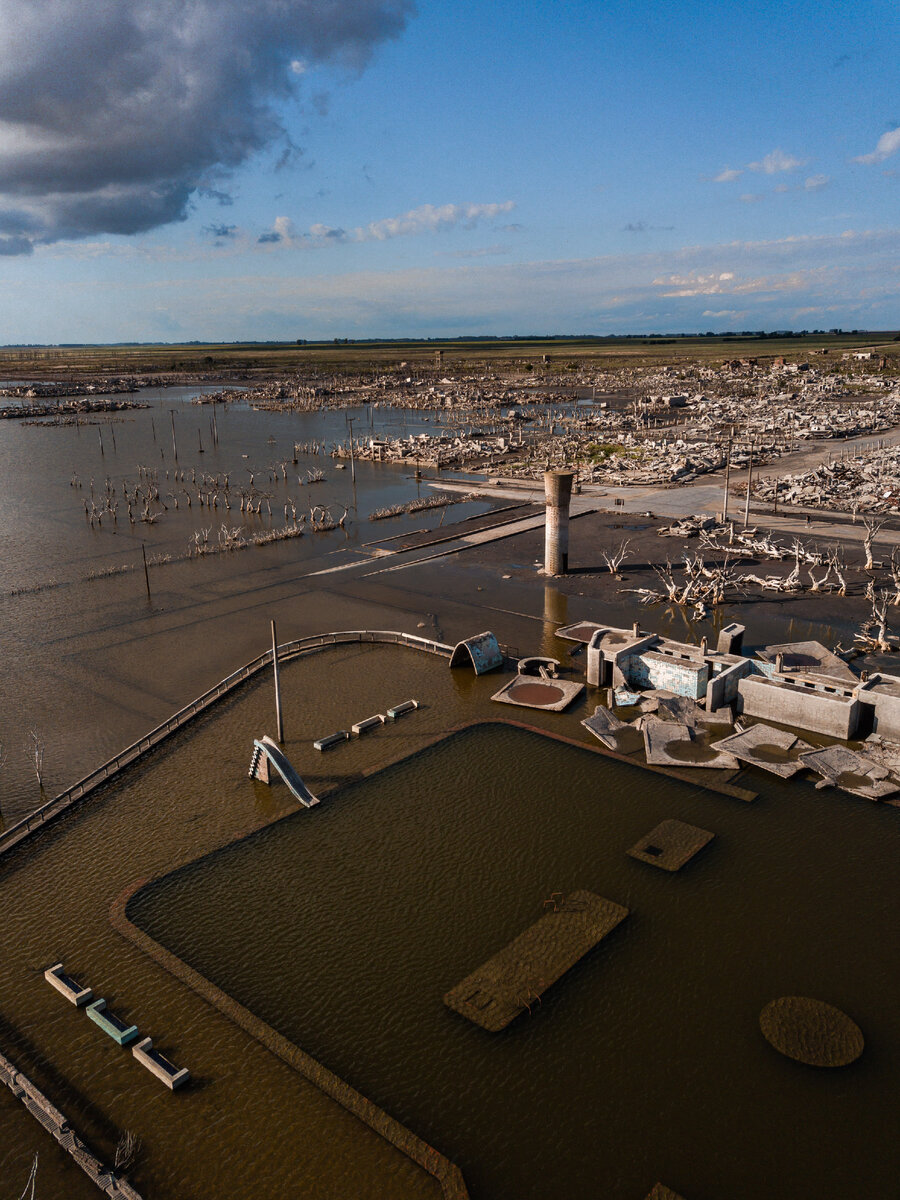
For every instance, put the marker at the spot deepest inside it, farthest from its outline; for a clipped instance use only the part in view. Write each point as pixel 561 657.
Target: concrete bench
pixel 172 1076
pixel 67 986
pixel 113 1026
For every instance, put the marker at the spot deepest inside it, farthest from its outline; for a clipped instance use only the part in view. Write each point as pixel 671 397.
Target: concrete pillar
pixel 558 494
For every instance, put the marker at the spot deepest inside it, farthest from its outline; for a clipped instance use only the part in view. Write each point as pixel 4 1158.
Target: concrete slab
pixel 604 726
pixel 521 972
pixel 775 750
pixel 670 845
pixel 808 658
pixel 843 768
pixel 528 692
pixel 674 744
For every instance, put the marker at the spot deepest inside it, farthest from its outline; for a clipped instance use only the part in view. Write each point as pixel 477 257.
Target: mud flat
pixel 521 972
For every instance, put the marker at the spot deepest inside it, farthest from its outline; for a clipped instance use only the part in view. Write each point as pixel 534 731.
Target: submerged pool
pixel 343 926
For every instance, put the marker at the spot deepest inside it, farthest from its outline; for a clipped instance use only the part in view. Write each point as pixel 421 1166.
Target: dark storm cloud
pixel 113 113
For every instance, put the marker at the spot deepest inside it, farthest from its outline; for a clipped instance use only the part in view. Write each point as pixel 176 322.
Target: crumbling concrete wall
pixel 800 703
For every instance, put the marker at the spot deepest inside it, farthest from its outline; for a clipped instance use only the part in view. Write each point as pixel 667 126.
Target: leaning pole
pixel 558 494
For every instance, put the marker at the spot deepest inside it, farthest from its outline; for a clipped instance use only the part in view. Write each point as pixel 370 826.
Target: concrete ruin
pixel 518 975
pixel 799 684
pixel 670 845
pixel 558 493
pixel 482 652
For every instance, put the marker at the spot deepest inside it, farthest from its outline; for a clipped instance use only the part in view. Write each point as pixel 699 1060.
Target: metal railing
pixel 288 650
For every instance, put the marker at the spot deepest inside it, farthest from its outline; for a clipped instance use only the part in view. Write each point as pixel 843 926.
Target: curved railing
pixel 132 753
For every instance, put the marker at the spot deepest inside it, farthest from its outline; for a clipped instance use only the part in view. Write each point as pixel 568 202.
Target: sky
pixel 216 170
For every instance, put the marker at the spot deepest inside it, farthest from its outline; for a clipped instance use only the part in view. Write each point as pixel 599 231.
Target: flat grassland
pixel 562 354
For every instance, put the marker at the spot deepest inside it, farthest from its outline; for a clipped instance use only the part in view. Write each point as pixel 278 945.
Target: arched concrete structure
pixel 482 651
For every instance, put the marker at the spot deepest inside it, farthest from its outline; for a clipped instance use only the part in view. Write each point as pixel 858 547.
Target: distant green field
pixel 554 354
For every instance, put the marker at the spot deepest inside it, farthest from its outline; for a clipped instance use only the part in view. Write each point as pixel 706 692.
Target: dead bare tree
pixel 872 527
pixel 615 558
pixel 37 757
pixel 873 634
pixel 836 562
pixel 127 1150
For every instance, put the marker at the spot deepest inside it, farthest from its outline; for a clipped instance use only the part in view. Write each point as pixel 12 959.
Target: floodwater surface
pixel 344 926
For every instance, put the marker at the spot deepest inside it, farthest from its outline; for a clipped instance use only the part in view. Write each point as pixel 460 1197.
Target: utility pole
pixel 278 719
pixel 749 478
pixel 174 443
pixel 727 476
pixel 146 572
pixel 352 459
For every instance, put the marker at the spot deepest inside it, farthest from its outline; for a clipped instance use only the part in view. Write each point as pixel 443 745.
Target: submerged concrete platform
pixel 671 844
pixel 553 695
pixel 843 768
pixel 521 972
pixel 674 744
pixel 775 750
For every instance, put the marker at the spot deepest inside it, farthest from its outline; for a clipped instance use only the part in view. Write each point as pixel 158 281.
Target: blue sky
pixel 455 168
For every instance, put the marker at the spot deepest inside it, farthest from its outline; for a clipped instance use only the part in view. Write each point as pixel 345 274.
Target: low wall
pixel 58 1126
pixel 835 714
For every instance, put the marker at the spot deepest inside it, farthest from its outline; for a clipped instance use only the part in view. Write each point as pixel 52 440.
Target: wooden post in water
pixel 146 572
pixel 749 477
pixel 174 443
pixel 352 460
pixel 278 718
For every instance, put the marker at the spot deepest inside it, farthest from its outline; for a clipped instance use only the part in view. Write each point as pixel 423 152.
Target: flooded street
pixel 342 926
pixel 89 659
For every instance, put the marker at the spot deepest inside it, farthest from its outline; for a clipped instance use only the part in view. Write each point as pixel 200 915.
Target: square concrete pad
pixel 775 750
pixel 671 844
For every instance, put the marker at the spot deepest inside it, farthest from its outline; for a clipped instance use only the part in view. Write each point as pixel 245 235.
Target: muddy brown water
pixel 768 752
pixel 342 927
pixel 689 752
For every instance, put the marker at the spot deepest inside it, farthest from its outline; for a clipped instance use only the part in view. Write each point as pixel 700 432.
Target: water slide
pixel 267 753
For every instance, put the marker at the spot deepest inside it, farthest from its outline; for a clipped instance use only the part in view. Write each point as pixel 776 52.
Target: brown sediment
pixel 447 1174
pixel 690 752
pixel 535 693
pixel 768 752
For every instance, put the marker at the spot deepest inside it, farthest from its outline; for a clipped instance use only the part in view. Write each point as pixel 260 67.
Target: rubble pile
pixel 866 483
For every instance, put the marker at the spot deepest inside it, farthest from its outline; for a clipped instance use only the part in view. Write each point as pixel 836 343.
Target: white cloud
pixel 114 114
pixel 429 218
pixel 727 176
pixel 888 144
pixel 750 197
pixel 815 182
pixel 776 161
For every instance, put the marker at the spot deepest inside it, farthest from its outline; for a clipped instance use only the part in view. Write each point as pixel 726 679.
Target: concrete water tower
pixel 558 494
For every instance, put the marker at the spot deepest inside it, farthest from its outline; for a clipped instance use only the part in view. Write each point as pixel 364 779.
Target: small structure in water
pixel 767 747
pixel 521 972
pixel 552 695
pixel 266 754
pixel 67 986
pixel 481 652
pixel 811 1032
pixel 671 844
pixel 120 1031
pixel 659 1191
pixel 163 1068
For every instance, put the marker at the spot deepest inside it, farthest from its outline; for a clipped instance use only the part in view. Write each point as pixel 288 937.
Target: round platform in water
pixel 536 693
pixel 811 1031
